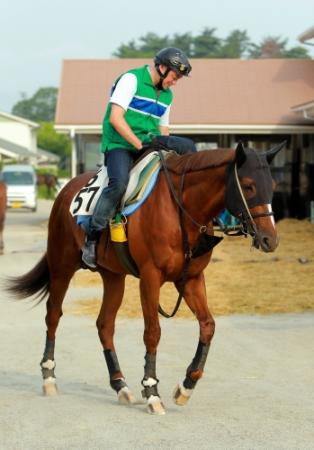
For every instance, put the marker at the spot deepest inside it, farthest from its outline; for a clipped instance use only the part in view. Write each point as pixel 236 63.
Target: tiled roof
pixel 14 118
pixel 218 92
pixel 12 148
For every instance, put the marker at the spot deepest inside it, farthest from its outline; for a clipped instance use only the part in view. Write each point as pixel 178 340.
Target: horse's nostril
pixel 266 243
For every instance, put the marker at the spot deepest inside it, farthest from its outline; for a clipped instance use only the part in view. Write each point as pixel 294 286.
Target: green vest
pixel 143 113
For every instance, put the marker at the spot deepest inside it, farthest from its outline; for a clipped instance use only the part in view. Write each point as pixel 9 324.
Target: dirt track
pixel 238 279
pixel 256 393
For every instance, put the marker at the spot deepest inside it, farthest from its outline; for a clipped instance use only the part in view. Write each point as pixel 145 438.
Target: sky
pixel 36 35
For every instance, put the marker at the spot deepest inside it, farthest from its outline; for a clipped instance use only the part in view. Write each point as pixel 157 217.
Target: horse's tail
pixel 36 282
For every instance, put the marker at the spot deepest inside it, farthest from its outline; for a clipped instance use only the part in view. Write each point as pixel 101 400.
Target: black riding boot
pixel 89 250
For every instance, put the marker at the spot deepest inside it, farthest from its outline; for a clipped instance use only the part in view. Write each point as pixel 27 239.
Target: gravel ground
pixel 257 392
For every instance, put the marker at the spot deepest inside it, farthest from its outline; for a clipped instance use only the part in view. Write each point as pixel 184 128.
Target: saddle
pixel 143 177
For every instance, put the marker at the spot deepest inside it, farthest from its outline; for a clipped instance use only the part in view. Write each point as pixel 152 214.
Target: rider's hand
pixel 139 147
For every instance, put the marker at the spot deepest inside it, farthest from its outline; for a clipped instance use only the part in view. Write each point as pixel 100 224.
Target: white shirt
pixel 124 92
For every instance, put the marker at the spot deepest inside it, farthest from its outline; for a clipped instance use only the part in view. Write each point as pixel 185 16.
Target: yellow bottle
pixel 117 230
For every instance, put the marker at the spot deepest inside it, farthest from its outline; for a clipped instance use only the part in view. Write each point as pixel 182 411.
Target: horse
pixel 201 185
pixel 50 181
pixel 3 206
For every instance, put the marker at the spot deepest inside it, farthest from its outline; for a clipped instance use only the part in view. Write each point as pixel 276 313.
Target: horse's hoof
pixel 125 396
pixel 50 389
pixel 181 395
pixel 155 406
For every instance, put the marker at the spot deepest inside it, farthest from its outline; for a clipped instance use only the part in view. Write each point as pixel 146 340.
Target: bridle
pixel 247 224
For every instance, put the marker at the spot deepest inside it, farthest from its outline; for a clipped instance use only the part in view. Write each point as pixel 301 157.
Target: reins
pixel 202 228
pixel 185 243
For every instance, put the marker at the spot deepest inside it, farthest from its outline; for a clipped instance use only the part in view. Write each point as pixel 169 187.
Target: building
pixel 307 36
pixel 224 101
pixel 18 142
pixel 17 138
pixel 307 108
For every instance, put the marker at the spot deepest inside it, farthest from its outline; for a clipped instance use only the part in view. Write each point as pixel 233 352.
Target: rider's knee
pixel 188 145
pixel 119 186
pixel 184 145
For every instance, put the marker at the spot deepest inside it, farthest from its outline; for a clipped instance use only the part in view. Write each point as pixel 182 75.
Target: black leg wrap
pixel 150 372
pixel 49 349
pixel 117 384
pixel 198 363
pixel 48 355
pixel 112 362
pixel 113 368
pixel 188 383
pixel 150 366
pixel 150 390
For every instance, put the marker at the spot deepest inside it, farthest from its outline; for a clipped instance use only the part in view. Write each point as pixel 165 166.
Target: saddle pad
pixel 142 179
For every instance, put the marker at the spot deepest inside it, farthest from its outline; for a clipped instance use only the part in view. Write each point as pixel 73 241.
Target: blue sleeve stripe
pixel 147 106
pixel 151 100
pixel 143 112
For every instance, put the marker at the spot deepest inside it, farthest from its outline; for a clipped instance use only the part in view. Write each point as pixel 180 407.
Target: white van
pixel 21 182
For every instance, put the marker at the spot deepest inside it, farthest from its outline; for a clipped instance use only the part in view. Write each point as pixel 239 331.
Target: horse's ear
pixel 270 155
pixel 240 156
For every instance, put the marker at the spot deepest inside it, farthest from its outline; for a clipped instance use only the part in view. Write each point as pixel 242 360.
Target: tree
pixel 297 52
pixel 235 45
pixel 49 139
pixel 127 50
pixel 276 47
pixel 183 41
pixel 40 107
pixel 150 45
pixel 207 45
pixel 204 45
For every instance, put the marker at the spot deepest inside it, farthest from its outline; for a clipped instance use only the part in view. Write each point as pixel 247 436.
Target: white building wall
pixel 33 133
pixel 18 133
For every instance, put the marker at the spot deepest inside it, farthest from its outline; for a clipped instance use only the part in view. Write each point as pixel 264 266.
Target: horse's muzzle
pixel 265 242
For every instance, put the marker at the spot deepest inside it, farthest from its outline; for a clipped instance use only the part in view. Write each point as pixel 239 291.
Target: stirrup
pixel 89 257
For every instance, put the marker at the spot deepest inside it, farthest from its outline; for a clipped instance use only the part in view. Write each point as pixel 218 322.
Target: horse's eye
pixel 248 187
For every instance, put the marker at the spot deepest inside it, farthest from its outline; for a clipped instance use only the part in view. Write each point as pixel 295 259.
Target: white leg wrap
pixel 149 382
pixel 153 399
pixel 125 396
pixel 124 390
pixel 184 391
pixel 49 380
pixel 181 395
pixel 155 405
pixel 49 364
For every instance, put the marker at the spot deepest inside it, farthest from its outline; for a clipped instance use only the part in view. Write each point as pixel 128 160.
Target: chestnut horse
pixel 202 185
pixel 3 206
pixel 50 181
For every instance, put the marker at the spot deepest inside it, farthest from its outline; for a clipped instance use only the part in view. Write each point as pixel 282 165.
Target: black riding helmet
pixel 174 59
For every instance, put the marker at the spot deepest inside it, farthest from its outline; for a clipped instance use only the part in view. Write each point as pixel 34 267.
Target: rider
pixel 137 112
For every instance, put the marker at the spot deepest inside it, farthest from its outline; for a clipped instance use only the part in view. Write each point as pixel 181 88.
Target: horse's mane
pixel 203 159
